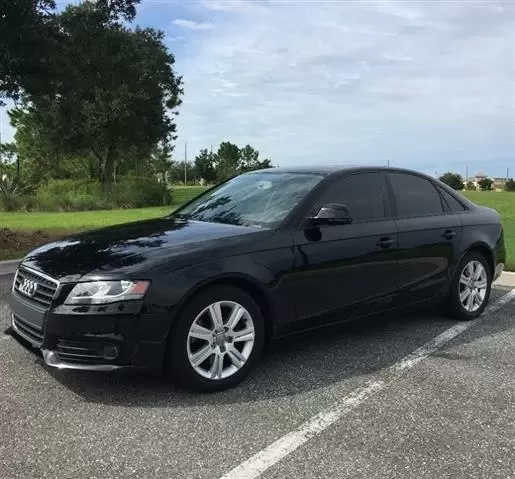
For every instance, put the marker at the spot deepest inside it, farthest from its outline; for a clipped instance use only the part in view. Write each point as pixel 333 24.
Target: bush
pixel 80 195
pixel 509 185
pixel 70 195
pixel 135 192
pixel 13 194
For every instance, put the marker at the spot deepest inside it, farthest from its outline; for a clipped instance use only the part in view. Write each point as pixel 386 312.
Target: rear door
pixel 429 236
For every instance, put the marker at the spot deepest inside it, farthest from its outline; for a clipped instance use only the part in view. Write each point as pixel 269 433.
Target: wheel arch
pixel 242 282
pixel 482 248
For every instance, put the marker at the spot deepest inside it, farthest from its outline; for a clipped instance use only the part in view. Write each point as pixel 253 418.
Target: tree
pixel 28 36
pixel 249 160
pixel 205 165
pixel 42 158
pixel 161 161
pixel 8 160
pixel 30 41
pixel 177 172
pixel 485 184
pixel 509 185
pixel 470 186
pixel 454 180
pixel 227 160
pixel 113 89
pixel 231 160
pixel 8 153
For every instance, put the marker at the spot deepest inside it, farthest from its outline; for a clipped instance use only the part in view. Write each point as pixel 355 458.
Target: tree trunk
pixel 165 184
pixel 107 173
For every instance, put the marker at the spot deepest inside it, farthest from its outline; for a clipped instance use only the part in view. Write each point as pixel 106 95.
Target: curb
pixel 507 278
pixel 9 267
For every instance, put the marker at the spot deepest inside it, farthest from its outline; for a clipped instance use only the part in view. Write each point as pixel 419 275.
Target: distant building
pixel 497 185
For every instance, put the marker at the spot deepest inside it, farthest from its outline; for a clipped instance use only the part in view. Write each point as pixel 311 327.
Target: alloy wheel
pixel 220 340
pixel 473 286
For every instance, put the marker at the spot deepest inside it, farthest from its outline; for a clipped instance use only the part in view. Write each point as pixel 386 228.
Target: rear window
pixel 452 203
pixel 414 196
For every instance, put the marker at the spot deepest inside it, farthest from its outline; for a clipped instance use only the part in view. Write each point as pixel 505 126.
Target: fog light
pixel 110 351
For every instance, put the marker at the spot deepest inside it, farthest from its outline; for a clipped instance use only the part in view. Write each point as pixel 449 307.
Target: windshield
pixel 257 199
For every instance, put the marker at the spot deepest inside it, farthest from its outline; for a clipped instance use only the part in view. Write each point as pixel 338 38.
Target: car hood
pixel 133 247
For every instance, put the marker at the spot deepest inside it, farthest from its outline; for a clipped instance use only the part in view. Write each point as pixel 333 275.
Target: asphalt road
pixel 450 415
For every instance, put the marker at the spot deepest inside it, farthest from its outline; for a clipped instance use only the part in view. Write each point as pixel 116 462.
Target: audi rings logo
pixel 28 288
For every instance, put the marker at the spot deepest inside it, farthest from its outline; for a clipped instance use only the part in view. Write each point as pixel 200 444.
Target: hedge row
pixel 74 195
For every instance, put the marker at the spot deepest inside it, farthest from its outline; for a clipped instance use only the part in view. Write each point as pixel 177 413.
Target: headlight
pixel 104 292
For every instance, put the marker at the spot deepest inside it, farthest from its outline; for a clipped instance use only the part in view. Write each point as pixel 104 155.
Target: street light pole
pixel 185 163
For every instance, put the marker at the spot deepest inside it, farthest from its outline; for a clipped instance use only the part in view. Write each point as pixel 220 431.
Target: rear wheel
pixel 217 341
pixel 471 287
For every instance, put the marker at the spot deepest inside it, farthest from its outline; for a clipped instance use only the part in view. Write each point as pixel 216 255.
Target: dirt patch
pixel 14 244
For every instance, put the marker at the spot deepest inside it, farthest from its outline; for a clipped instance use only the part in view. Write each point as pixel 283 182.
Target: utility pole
pixel 467 174
pixel 185 163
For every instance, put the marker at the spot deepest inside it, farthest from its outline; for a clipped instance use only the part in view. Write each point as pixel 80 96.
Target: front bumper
pixel 53 359
pixel 91 342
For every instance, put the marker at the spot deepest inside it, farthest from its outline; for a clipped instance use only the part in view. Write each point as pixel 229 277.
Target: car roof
pixel 337 170
pixel 334 169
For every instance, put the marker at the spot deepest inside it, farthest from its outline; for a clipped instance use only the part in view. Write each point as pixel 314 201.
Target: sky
pixel 428 85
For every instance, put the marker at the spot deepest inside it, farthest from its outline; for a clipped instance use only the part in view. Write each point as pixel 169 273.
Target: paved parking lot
pixel 449 414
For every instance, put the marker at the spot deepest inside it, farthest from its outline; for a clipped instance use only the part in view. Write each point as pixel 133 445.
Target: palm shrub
pixel 12 193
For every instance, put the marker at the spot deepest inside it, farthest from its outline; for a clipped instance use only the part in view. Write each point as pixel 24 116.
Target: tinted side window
pixel 415 196
pixel 452 203
pixel 363 193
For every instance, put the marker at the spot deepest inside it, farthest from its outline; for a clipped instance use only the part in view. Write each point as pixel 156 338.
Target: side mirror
pixel 330 214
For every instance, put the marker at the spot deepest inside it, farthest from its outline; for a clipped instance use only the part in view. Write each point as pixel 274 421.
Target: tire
pixel 459 308
pixel 230 354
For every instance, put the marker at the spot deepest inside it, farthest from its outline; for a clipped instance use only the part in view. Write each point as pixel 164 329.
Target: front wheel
pixel 471 287
pixel 217 341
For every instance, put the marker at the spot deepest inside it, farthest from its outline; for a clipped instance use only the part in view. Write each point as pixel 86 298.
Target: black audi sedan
pixel 202 291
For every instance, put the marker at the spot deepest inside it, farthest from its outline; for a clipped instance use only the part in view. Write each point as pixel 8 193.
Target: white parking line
pixel 436 343
pixel 252 468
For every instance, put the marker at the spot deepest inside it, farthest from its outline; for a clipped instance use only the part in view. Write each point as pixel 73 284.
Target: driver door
pixel 343 271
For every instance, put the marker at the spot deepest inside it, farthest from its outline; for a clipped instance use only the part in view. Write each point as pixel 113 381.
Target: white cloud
pixel 190 24
pixel 355 81
pixel 429 85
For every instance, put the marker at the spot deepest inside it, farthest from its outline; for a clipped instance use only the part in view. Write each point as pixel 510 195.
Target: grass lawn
pixel 21 232
pixel 83 220
pixel 27 230
pixel 504 203
pixel 80 220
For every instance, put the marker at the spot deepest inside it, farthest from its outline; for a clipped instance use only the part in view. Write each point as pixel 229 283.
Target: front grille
pixel 85 353
pixel 46 287
pixel 33 334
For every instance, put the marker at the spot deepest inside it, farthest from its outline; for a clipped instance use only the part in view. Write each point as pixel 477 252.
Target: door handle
pixel 385 242
pixel 449 234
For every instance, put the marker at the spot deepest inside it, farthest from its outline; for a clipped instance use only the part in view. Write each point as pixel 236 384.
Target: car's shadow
pixel 297 364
